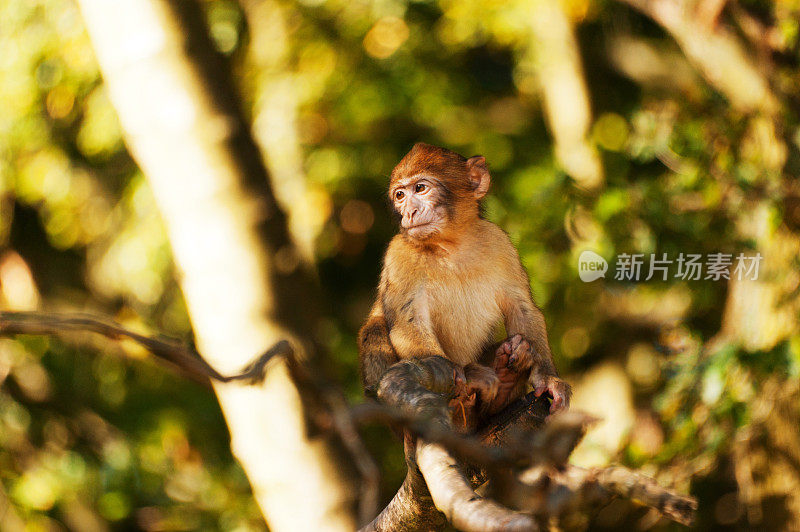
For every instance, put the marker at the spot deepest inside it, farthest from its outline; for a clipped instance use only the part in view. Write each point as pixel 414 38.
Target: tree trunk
pixel 177 105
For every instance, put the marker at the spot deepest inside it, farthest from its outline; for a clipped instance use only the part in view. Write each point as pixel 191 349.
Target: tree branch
pixel 631 485
pixel 411 509
pixel 554 55
pixel 715 51
pixel 421 388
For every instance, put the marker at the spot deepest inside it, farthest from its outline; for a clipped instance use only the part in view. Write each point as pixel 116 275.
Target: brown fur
pixel 447 294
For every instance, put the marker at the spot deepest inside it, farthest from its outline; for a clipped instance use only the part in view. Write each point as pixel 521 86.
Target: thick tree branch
pixel 421 388
pixel 453 495
pixel 715 51
pixel 554 56
pixel 411 509
pixel 276 104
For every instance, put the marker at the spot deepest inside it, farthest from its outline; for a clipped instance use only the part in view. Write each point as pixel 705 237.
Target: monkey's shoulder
pixel 403 267
pixel 492 235
pixel 396 245
pixel 399 255
pixel 490 245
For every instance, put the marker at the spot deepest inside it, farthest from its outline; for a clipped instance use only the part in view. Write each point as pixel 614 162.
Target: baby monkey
pixel 449 278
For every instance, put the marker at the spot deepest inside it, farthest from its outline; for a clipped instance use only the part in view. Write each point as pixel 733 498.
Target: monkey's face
pixel 421 202
pixel 436 192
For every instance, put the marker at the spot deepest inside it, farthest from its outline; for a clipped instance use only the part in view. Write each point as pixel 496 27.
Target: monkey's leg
pixel 512 365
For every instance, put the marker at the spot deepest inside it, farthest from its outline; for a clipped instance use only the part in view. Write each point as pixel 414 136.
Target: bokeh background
pixel 620 127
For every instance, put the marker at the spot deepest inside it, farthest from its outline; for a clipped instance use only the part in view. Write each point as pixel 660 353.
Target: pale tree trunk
pixel 553 57
pixel 178 108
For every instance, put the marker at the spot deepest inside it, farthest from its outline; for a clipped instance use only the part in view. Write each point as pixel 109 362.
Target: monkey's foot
pixel 512 364
pixel 560 391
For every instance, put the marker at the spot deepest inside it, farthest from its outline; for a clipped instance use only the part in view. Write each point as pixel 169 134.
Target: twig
pixel 346 426
pixel 631 485
pixel 165 349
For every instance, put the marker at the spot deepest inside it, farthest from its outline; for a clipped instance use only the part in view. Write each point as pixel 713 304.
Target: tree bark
pixel 176 103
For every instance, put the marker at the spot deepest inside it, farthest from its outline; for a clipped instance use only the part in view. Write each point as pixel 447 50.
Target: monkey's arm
pixel 524 318
pixel 375 351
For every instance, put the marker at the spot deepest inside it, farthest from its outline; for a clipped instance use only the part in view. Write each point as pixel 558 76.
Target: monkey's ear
pixel 479 175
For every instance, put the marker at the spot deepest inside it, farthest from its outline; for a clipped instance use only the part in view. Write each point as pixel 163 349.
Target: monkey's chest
pixel 463 314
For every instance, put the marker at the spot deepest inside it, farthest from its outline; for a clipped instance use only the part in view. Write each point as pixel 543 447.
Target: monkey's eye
pixel 420 187
pixel 399 194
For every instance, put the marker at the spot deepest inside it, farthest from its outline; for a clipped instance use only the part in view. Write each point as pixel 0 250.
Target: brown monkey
pixel 449 279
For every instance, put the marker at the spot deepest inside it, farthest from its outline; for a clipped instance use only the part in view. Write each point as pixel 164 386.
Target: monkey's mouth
pixel 417 226
pixel 421 230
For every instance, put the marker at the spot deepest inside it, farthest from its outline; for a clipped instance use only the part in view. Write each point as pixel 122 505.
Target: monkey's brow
pixel 405 181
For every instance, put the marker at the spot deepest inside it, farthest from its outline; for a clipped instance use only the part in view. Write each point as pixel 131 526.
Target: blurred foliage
pixel 90 441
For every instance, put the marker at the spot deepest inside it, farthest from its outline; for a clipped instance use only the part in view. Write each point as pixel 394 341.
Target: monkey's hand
pixel 483 382
pixel 560 391
pixel 475 390
pixel 463 405
pixel 512 365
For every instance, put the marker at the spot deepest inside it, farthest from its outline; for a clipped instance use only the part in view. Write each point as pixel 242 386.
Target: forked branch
pixel 531 485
